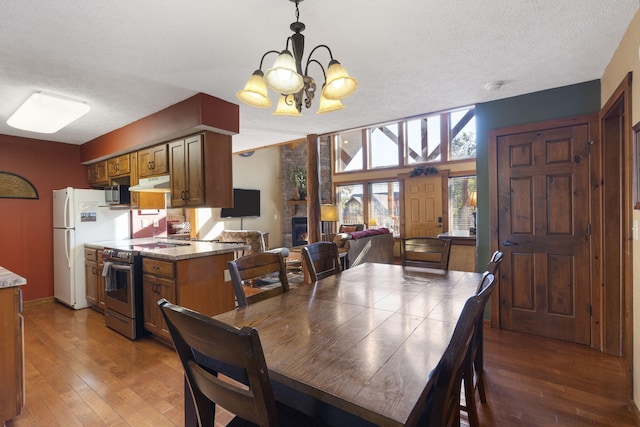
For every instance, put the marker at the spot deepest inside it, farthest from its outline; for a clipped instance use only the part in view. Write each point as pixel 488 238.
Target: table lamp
pixel 328 214
pixel 473 203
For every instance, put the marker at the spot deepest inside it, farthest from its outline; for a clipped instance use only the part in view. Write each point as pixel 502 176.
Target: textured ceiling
pixel 129 59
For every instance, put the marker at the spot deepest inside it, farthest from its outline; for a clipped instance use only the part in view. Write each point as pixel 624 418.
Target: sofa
pixel 373 245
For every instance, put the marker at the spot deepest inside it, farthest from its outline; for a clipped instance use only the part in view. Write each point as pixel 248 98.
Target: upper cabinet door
pixel 98 174
pixel 119 166
pixel 186 165
pixel 153 161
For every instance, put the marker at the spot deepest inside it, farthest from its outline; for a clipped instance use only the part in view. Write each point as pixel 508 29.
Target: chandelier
pixel 286 77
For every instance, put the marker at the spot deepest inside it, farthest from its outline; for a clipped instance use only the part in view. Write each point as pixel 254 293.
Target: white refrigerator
pixel 80 216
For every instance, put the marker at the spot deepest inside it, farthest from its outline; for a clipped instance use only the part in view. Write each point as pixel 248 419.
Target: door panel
pixel 543 216
pixel 423 206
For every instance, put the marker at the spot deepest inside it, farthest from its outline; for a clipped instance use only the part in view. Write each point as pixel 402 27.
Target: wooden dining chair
pixel 443 401
pixel 264 270
pixel 474 372
pixel 321 259
pixel 208 347
pixel 428 252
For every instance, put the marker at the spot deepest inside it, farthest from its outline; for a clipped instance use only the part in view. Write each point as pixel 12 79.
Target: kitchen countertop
pixel 194 249
pixel 9 279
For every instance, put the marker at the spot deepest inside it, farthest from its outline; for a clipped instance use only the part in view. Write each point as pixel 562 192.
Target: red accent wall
pixel 26 226
pixel 192 115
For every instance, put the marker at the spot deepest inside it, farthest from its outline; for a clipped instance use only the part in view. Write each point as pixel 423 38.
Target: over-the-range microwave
pixel 117 195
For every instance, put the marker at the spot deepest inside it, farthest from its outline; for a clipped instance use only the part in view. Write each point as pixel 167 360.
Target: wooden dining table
pixel 358 348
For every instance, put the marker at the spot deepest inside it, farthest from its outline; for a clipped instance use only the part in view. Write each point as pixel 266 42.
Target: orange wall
pixel 26 236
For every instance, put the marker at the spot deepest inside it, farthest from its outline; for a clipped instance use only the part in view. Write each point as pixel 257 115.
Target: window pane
pixel 423 140
pixel 384 206
pixel 349 151
pixel 350 204
pixel 463 134
pixel 383 146
pixel 461 214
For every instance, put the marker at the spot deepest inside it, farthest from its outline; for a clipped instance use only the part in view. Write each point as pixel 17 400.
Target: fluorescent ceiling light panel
pixel 47 113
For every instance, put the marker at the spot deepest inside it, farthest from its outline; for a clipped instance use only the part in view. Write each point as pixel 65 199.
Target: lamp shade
pixel 286 107
pixel 255 91
pixel 329 105
pixel 283 77
pixel 473 199
pixel 328 213
pixel 339 84
pixel 47 113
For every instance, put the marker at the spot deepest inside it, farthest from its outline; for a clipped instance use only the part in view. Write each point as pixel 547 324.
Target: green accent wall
pixel 567 101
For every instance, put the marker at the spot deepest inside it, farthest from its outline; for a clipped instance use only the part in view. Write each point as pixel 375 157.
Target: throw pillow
pixel 340 239
pixel 349 228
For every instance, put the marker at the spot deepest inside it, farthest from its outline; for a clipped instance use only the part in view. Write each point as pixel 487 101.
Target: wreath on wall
pixel 423 170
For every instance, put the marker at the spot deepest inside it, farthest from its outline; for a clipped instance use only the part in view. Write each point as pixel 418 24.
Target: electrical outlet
pixel 227 276
pixel 635 230
pixel 156 223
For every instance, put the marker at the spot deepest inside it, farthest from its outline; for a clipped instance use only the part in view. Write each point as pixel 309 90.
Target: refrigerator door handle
pixel 67 246
pixel 66 216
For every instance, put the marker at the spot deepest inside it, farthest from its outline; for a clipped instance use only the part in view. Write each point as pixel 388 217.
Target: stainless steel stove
pixel 123 291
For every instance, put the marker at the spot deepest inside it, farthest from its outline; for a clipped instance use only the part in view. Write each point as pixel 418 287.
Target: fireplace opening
pixel 299 231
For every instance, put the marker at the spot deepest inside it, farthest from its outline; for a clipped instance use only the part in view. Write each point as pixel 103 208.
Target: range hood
pixel 155 184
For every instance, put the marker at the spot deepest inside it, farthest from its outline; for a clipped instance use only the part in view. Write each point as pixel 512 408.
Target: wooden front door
pixel 423 206
pixel 543 229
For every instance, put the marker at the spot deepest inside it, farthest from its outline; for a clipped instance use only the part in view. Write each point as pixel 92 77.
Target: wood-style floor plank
pixel 80 373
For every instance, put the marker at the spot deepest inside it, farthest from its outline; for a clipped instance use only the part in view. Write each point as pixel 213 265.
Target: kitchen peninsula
pixel 11 351
pixel 191 274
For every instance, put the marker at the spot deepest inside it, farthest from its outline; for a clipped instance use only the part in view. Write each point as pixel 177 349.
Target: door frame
pixel 625 323
pixel 591 120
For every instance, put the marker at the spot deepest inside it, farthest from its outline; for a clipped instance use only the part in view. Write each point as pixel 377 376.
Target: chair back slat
pixel 258 269
pixel 428 252
pixel 322 259
pixel 227 349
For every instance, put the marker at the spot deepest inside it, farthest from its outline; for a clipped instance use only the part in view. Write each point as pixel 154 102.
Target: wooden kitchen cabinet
pixel 98 176
pixel 152 161
pixel 91 276
pixel 119 166
pixel 201 173
pixel 157 282
pixel 195 283
pixel 101 284
pixel 186 167
pixel 133 179
pixel 11 353
pixel 95 285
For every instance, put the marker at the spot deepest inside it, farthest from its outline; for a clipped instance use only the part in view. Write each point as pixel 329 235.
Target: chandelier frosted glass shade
pixel 339 83
pixel 329 105
pixel 286 106
pixel 255 91
pixel 283 77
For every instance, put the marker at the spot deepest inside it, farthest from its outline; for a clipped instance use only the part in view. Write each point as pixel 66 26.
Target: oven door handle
pixel 121 267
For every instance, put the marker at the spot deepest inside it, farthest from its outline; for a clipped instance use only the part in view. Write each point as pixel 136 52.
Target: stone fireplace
pixel 296 154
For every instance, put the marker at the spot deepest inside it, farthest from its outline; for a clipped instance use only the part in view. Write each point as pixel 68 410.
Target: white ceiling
pixel 129 59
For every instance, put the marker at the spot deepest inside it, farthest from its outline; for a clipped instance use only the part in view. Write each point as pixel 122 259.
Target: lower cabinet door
pixel 154 288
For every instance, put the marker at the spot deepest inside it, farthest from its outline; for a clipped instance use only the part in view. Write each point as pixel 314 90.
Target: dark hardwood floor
pixel 80 373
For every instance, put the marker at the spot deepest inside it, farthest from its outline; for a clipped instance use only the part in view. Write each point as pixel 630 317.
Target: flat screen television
pixel 245 203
